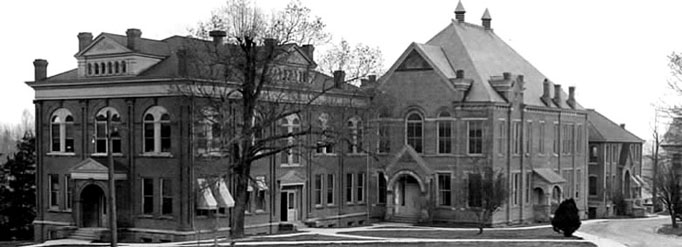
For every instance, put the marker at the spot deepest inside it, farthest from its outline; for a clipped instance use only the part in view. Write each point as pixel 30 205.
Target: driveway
pixel 628 232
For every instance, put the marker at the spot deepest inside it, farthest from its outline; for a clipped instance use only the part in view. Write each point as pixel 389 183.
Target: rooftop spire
pixel 486 19
pixel 459 12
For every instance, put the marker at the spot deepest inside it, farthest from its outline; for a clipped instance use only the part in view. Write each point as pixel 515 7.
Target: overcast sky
pixel 614 52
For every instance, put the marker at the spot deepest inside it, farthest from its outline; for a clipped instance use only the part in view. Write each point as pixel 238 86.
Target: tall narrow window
pixel 330 189
pixel 166 186
pixel 53 183
pixel 381 187
pixel 501 137
pixel 325 144
pixel 61 131
pixel 157 131
pixel 355 131
pixel 474 190
pixel 516 137
pixel 578 182
pixel 292 125
pixel 529 188
pixel 541 138
pixel 528 140
pixel 147 196
pixel 384 138
pixel 444 133
pixel 415 132
pixel 67 192
pixel 475 129
pixel 592 184
pixel 444 189
pixel 101 144
pixel 555 146
pixel 349 188
pixel 579 145
pixel 318 189
pixel 208 132
pixel 360 188
pixel 515 187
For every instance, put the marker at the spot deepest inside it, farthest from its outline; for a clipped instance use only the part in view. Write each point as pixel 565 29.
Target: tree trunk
pixel 481 221
pixel 242 179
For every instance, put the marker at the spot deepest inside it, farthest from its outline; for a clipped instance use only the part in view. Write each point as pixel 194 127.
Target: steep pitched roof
pixel 602 129
pixel 482 55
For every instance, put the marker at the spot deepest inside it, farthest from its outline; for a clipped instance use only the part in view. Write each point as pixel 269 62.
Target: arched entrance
pixel 539 197
pixel 92 206
pixel 556 199
pixel 626 185
pixel 407 196
pixel 540 205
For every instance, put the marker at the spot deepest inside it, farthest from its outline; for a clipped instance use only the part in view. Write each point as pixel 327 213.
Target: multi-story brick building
pixel 171 171
pixel 615 168
pixel 461 101
pixel 464 100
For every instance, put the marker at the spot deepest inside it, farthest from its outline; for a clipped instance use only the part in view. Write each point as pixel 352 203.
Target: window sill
pixel 157 155
pixel 60 154
pixel 291 165
pixel 166 217
pixel 318 206
pixel 444 154
pixel 105 155
pixel 476 155
pixel 324 154
pixel 331 205
pixel 145 216
pixel 260 211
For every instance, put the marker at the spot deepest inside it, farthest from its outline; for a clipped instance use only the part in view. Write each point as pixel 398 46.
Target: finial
pixel 486 20
pixel 459 12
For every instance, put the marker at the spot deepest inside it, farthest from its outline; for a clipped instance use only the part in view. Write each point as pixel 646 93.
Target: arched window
pixel 444 133
pixel 123 66
pixel 325 145
pixel 61 131
pixel 291 124
pixel 157 131
pixel 355 135
pixel 101 128
pixel 103 68
pixel 109 68
pixel 89 69
pixel 96 69
pixel 415 132
pixel 116 67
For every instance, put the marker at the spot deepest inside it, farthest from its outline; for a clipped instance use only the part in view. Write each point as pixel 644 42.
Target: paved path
pixel 628 232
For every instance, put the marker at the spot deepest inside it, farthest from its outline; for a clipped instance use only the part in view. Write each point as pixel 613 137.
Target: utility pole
pixel 112 184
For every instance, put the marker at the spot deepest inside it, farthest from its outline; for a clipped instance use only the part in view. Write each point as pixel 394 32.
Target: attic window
pixel 414 61
pixel 106 69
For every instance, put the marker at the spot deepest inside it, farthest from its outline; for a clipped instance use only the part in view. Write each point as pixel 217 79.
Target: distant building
pixel 615 168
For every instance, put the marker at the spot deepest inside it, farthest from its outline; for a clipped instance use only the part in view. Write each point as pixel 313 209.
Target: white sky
pixel 614 52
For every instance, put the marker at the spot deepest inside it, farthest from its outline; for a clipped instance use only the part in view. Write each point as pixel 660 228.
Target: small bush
pixel 566 219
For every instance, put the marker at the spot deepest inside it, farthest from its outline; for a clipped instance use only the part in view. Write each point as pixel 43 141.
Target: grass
pixel 542 233
pixel 667 229
pixel 303 237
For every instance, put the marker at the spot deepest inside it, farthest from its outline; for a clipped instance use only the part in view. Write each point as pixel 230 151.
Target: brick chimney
pixel 461 85
pixel 486 20
pixel 622 125
pixel 557 94
pixel 503 85
pixel 546 98
pixel 371 79
pixel 309 50
pixel 40 69
pixel 134 36
pixel 218 36
pixel 270 43
pixel 459 12
pixel 339 78
pixel 571 97
pixel 84 40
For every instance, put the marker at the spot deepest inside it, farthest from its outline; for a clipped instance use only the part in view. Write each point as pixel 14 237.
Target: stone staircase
pixel 88 234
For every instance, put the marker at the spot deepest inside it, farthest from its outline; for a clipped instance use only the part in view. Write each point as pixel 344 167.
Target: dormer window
pixel 108 68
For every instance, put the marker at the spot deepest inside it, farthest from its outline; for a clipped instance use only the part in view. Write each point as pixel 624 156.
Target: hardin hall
pixel 417 138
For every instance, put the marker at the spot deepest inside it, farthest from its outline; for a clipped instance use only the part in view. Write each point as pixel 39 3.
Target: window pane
pixel 330 188
pixel 149 136
pixel 56 142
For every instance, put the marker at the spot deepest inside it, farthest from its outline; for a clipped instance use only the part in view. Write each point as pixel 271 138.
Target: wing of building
pixel 615 169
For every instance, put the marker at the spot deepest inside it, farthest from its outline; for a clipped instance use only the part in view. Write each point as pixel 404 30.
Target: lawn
pixel 667 229
pixel 541 233
pixel 303 237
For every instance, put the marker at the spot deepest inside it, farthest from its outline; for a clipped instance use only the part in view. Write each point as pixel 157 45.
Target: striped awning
pixel 223 196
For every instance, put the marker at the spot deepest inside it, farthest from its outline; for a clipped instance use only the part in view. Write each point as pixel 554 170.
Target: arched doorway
pixel 539 197
pixel 407 196
pixel 556 199
pixel 92 206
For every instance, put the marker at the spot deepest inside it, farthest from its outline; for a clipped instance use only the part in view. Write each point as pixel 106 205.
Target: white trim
pixel 49 222
pixel 97 176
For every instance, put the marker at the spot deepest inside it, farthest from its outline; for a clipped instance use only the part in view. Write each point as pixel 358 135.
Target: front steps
pixel 89 233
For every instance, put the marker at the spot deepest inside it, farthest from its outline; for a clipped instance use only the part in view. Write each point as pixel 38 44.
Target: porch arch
pixel 397 175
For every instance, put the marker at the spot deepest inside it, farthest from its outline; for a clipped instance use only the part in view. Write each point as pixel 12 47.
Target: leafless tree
pixel 668 187
pixel 247 89
pixel 492 192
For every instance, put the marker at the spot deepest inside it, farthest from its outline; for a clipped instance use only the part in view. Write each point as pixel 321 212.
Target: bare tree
pixel 249 88
pixel 668 187
pixel 357 60
pixel 492 193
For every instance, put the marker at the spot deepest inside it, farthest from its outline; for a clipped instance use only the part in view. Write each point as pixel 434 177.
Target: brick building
pixel 615 168
pixel 463 100
pixel 171 179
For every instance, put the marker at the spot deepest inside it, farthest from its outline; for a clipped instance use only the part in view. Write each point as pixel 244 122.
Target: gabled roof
pixel 481 54
pixel 602 129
